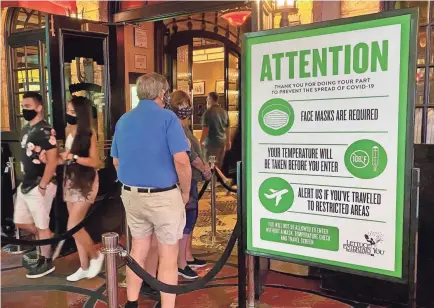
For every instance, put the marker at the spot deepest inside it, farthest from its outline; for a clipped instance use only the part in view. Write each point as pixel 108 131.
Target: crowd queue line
pixel 159 163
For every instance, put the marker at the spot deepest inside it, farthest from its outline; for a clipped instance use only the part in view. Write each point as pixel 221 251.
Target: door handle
pixel 53 34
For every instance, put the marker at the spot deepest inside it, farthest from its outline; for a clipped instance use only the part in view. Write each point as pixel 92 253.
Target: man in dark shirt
pixel 216 134
pixel 38 164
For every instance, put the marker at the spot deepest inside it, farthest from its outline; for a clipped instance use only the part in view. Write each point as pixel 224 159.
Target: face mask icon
pixel 276 118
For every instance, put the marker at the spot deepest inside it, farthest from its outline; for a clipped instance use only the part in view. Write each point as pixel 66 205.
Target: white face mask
pixel 276 119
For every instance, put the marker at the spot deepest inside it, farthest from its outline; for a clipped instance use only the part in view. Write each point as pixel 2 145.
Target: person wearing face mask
pixel 180 104
pixel 149 151
pixel 80 184
pixel 36 192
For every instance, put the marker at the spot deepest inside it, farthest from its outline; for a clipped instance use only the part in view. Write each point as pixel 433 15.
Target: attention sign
pixel 326 113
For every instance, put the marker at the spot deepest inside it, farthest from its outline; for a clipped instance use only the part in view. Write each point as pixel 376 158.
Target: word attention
pixel 358 59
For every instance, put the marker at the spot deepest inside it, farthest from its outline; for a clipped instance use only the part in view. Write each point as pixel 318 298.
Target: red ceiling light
pixel 236 18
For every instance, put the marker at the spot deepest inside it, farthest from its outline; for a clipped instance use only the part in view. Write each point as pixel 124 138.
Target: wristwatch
pixel 74 158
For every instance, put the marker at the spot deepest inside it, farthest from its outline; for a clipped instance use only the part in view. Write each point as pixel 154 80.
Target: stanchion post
pixel 241 244
pixel 12 174
pixel 414 237
pixel 212 160
pixel 110 242
pixel 13 249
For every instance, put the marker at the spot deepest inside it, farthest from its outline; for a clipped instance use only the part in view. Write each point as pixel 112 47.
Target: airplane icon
pixel 276 195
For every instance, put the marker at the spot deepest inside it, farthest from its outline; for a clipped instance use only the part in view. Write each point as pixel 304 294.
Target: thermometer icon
pixel 375 157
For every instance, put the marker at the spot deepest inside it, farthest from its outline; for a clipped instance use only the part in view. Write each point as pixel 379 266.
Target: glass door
pixel 233 92
pixel 182 77
pixel 29 73
pixel 85 73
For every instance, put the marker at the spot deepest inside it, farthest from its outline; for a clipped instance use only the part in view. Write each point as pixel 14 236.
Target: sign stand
pixel 414 234
pixel 242 273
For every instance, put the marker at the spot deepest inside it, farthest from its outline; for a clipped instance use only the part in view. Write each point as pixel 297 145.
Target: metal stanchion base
pixel 16 249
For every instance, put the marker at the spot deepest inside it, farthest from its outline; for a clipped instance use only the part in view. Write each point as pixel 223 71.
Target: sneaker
pixel 196 263
pixel 58 249
pixel 95 266
pixel 132 304
pixel 187 273
pixel 44 268
pixel 78 275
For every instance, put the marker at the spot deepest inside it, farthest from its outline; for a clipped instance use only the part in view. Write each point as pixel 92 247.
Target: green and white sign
pixel 325 123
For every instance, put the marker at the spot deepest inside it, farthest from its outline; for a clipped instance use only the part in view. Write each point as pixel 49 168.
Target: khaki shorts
pixel 33 207
pixel 162 213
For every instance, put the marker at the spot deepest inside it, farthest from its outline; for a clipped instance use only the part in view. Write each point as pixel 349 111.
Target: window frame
pixel 24 38
pixel 427 66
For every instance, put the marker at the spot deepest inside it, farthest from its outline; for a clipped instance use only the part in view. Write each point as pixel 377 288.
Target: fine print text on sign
pixel 326 121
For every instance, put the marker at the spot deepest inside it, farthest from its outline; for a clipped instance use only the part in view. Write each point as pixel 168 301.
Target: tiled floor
pixel 53 291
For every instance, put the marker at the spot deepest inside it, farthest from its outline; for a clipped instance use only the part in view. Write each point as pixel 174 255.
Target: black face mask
pixel 29 114
pixel 71 120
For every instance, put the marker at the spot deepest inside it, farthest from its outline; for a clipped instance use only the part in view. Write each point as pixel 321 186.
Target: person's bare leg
pixel 139 252
pixel 44 234
pixel 151 263
pixel 85 245
pixel 183 243
pixel 31 228
pixel 221 174
pixel 168 271
pixel 189 249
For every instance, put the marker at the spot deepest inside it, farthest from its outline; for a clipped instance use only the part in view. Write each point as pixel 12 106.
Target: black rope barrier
pixel 188 287
pixel 202 191
pixel 64 236
pixel 226 186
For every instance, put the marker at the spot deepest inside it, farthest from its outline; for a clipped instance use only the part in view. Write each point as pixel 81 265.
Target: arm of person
pixel 49 171
pixel 199 165
pixel 204 134
pixel 228 139
pixel 93 159
pixel 48 156
pixel 202 167
pixel 116 163
pixel 205 129
pixel 183 170
pixel 62 156
pixel 192 154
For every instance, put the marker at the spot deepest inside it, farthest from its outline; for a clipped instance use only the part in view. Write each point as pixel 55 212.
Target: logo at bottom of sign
pixel 369 246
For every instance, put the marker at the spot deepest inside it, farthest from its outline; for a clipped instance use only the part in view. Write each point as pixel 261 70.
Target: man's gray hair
pixel 149 86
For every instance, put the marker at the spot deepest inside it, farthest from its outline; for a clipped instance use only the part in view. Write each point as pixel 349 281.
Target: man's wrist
pixel 42 186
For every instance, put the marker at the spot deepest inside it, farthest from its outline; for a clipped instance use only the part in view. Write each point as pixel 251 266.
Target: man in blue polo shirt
pixel 149 153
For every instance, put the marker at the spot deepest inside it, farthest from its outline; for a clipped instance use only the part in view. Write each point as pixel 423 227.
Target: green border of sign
pixel 405 214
